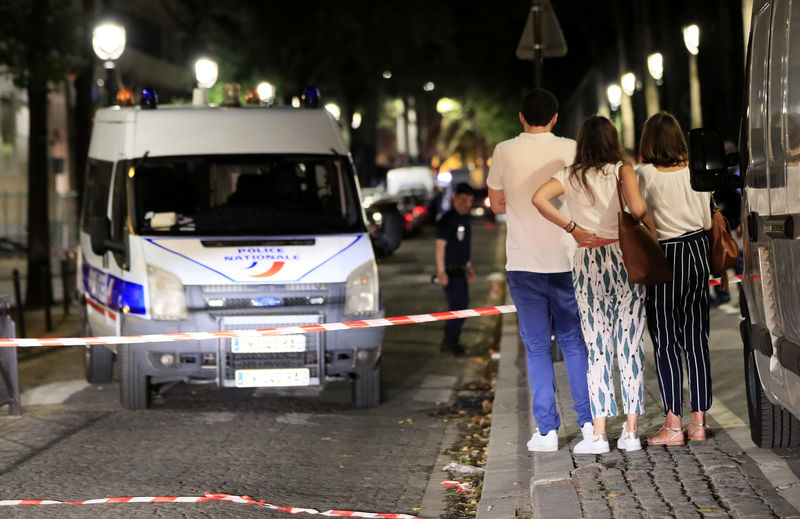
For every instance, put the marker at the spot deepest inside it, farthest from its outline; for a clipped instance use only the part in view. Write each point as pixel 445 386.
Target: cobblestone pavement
pixel 711 479
pixel 289 448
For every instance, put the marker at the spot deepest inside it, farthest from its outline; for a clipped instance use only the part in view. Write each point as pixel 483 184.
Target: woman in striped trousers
pixel 677 312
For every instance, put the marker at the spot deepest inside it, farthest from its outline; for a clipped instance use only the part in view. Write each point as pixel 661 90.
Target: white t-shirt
pixel 596 212
pixel 675 206
pixel 519 167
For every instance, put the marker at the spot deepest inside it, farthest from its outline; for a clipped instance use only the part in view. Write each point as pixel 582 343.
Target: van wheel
pixel 134 386
pixel 771 426
pixel 98 364
pixel 98 361
pixel 367 388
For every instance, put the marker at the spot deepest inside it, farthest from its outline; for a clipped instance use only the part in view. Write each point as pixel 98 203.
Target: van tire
pixel 367 388
pixel 134 386
pixel 771 426
pixel 98 364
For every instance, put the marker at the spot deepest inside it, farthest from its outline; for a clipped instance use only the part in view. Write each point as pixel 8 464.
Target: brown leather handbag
pixel 642 255
pixel 723 249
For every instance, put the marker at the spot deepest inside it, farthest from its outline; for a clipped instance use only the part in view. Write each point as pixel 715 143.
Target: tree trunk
pixel 37 285
pixel 83 103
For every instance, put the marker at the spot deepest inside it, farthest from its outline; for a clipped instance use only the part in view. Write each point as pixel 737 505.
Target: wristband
pixel 574 225
pixel 568 224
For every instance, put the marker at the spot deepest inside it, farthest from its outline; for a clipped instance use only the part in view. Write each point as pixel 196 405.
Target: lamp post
pixel 655 66
pixel 206 72
pixel 108 42
pixel 628 83
pixel 691 38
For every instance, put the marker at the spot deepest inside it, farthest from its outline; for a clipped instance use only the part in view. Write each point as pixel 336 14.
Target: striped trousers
pixel 677 318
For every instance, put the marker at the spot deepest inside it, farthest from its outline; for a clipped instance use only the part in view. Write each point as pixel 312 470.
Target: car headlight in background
pixel 377 217
pixel 167 298
pixel 361 296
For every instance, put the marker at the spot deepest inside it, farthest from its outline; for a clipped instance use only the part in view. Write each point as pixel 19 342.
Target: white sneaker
pixel 593 445
pixel 543 443
pixel 629 440
pixel 587 431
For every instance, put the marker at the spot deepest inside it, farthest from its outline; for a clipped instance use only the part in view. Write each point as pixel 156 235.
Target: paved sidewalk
pixel 711 479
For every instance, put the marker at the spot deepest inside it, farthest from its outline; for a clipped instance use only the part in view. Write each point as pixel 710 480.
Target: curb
pixel 519 483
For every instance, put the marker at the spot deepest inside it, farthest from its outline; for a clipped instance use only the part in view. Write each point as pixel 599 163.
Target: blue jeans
pixel 542 299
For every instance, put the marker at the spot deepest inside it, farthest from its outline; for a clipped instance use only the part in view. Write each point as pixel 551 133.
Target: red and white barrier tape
pixel 247 500
pixel 265 332
pixel 261 332
pixel 731 280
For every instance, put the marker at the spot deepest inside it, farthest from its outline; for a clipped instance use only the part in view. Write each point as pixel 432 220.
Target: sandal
pixel 694 436
pixel 675 439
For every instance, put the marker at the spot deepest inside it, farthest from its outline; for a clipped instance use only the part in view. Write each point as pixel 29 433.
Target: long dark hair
pixel 662 143
pixel 598 145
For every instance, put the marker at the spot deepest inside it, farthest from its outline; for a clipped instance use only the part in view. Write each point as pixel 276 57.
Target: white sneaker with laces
pixel 543 442
pixel 594 445
pixel 629 440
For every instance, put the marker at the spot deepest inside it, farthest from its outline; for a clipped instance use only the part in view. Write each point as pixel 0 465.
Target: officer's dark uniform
pixel 455 230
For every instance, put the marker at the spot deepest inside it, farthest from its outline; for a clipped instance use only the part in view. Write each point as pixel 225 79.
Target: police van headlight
pixel 167 298
pixel 362 290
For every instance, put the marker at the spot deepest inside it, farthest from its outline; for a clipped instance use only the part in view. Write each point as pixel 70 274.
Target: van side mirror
pixel 100 234
pixel 708 164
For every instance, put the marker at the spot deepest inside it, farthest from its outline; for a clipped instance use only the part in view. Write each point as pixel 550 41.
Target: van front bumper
pixel 330 353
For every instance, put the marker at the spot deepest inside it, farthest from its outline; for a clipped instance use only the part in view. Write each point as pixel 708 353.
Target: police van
pixel 769 158
pixel 203 218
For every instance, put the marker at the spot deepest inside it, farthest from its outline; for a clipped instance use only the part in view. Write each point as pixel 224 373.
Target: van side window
pixel 119 210
pixel 777 123
pixel 95 191
pixel 792 128
pixel 756 176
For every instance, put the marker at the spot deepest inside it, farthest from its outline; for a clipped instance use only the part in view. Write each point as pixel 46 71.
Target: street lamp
pixel 206 72
pixel 655 66
pixel 266 92
pixel 691 38
pixel 614 93
pixel 108 42
pixel 334 109
pixel 628 82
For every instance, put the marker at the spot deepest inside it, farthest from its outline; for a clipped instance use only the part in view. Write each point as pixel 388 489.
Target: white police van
pixel 226 218
pixel 769 149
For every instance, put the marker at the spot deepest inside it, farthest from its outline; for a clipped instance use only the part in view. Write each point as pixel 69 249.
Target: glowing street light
pixel 614 93
pixel 334 109
pixel 356 122
pixel 108 42
pixel 429 86
pixel 655 65
pixel 628 83
pixel 387 74
pixel 691 38
pixel 266 92
pixel 445 105
pixel 206 71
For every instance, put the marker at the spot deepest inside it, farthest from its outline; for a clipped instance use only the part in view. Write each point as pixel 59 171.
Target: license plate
pixel 274 344
pixel 272 377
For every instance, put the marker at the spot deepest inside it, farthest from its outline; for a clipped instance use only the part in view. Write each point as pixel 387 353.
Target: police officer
pixel 453 267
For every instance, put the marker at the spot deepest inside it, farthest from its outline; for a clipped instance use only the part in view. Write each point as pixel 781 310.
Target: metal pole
pixel 48 319
pixel 65 274
pixel 18 298
pixel 538 60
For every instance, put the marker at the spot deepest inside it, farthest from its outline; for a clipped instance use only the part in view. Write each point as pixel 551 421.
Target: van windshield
pixel 244 195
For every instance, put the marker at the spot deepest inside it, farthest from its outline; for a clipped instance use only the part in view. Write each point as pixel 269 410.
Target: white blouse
pixel 675 206
pixel 596 212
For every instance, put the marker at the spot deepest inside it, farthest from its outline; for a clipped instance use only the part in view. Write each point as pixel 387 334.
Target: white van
pixel 216 218
pixel 769 157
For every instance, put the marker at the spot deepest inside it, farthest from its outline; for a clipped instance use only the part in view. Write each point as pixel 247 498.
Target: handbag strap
pixel 619 187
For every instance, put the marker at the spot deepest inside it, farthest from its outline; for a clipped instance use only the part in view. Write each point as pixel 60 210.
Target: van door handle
pixel 782 227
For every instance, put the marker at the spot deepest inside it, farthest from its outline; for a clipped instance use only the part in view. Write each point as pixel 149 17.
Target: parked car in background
pixel 385 220
pixel 481 207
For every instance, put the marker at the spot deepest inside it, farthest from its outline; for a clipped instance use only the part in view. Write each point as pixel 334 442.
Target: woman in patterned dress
pixel 612 309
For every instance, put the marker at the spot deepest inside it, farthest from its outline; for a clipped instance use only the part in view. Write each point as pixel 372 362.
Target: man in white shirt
pixel 539 264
